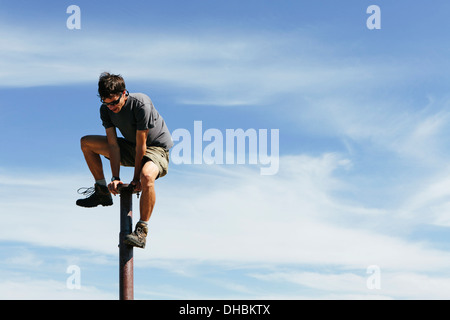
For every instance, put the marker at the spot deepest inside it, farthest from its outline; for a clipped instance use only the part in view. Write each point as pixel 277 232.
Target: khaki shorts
pixel 157 155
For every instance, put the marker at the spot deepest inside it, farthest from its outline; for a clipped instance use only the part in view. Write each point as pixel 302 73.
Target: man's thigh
pixel 160 158
pixel 96 144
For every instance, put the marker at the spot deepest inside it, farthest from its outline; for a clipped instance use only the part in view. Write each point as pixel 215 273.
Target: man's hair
pixel 110 85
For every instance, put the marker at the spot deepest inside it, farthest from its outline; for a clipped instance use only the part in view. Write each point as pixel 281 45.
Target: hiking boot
pixel 138 237
pixel 96 195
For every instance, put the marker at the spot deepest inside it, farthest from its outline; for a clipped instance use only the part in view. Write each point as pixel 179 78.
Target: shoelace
pixel 86 191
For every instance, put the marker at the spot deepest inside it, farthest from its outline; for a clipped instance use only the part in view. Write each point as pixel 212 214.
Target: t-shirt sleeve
pixel 106 119
pixel 144 117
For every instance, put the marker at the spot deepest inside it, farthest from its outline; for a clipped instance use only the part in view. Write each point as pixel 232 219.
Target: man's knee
pixel 149 173
pixel 84 142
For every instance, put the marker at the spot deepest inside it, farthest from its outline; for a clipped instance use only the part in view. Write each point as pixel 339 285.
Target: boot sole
pixel 134 244
pixel 100 204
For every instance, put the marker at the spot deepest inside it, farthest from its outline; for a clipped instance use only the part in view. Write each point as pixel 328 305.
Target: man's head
pixel 112 91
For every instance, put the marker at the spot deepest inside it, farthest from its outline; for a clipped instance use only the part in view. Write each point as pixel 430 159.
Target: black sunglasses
pixel 113 103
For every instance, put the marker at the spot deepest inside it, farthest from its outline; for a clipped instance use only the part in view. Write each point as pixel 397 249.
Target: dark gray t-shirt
pixel 138 113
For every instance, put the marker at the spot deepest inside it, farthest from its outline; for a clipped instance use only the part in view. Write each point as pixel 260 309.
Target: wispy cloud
pixel 241 218
pixel 348 285
pixel 239 68
pixel 34 289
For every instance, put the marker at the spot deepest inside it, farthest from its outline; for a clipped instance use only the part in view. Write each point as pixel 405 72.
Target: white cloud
pixel 232 216
pixel 24 258
pixel 390 127
pixel 347 285
pixel 36 289
pixel 229 214
pixel 429 203
pixel 226 69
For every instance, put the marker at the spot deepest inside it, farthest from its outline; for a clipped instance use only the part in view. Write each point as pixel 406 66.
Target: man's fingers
pixel 113 187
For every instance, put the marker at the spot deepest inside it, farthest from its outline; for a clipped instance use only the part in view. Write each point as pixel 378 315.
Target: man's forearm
pixel 114 158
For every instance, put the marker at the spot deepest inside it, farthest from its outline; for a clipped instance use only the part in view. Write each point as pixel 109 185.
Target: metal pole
pixel 126 291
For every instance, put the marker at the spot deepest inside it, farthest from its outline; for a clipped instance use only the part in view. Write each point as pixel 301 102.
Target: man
pixel 145 146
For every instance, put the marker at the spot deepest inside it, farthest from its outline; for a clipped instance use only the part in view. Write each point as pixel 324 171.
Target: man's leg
pixel 149 173
pixel 93 147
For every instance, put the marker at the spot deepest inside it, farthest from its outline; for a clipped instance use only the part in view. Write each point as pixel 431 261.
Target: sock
pixel 144 222
pixel 101 182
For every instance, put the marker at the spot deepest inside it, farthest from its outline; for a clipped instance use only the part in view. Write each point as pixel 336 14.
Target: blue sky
pixel 363 119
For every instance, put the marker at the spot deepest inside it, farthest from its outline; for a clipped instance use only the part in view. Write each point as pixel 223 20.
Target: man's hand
pixel 137 185
pixel 113 187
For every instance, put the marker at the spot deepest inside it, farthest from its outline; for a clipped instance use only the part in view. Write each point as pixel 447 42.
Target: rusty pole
pixel 126 290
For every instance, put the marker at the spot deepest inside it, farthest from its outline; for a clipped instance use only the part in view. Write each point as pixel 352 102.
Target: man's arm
pixel 114 157
pixel 141 147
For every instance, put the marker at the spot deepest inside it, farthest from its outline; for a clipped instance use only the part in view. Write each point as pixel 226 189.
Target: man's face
pixel 115 102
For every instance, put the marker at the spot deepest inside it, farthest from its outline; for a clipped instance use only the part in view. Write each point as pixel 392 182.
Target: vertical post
pixel 126 291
